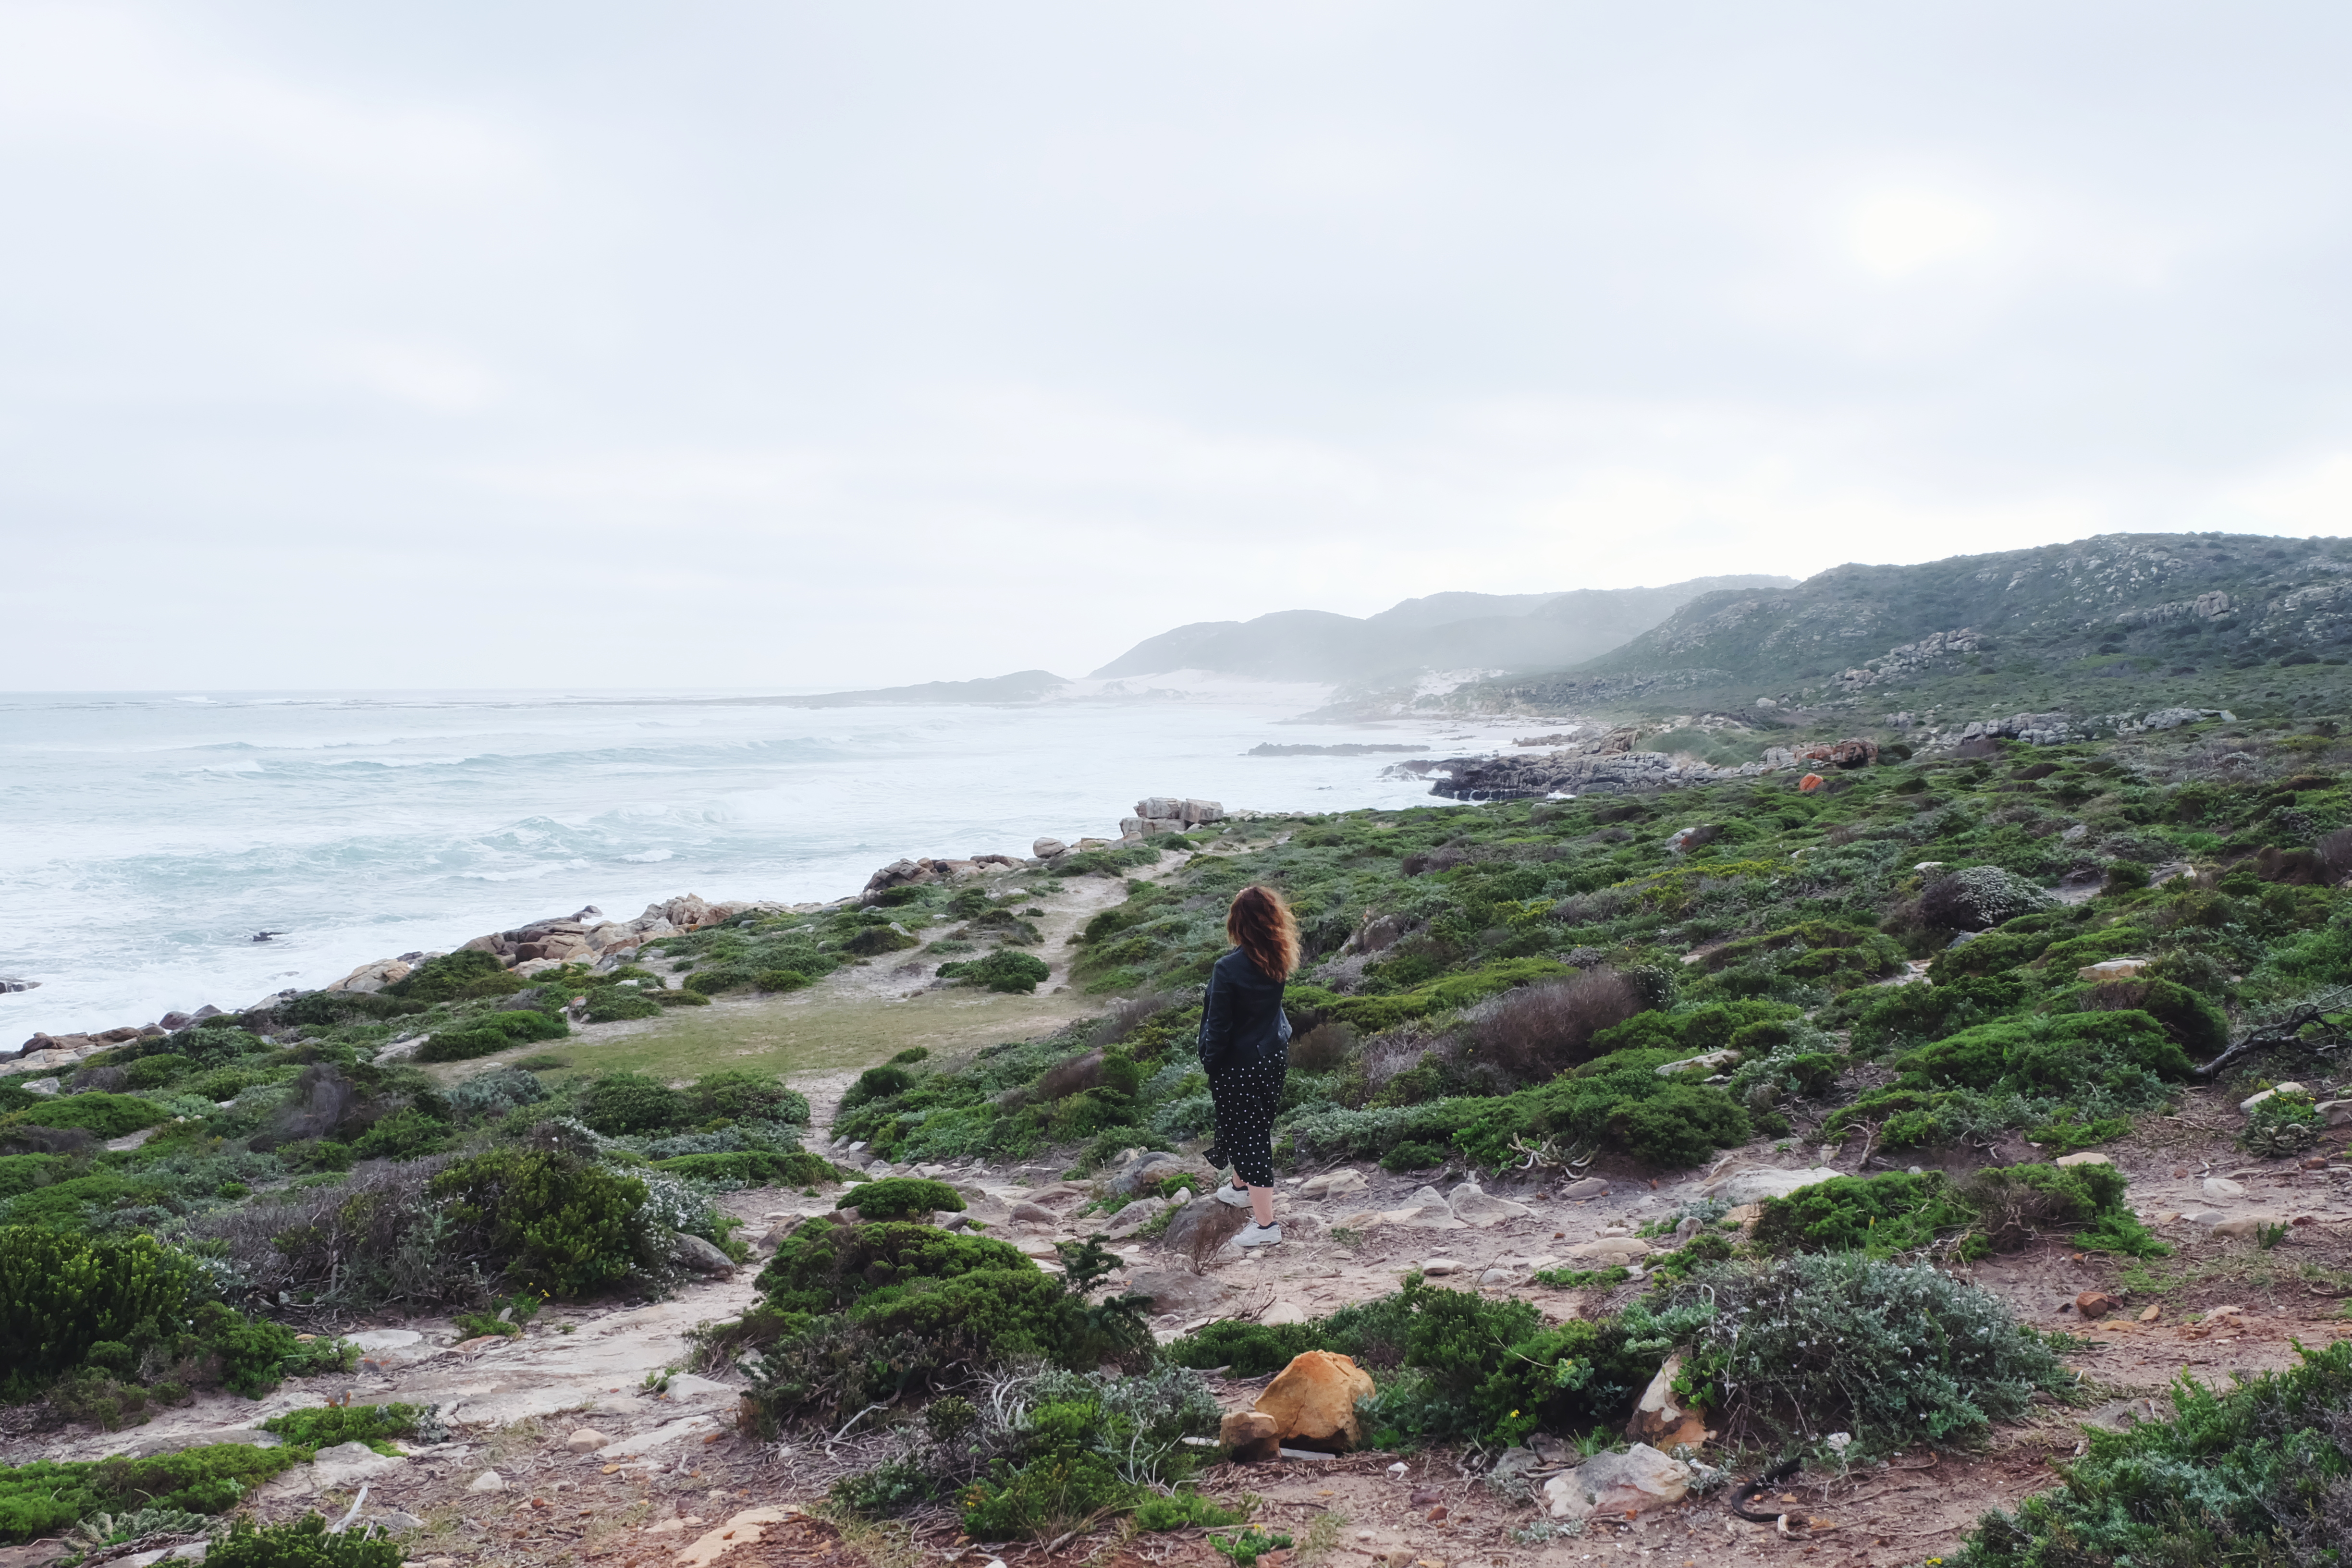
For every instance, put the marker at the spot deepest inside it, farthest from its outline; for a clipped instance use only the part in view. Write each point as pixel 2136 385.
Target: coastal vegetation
pixel 1985 958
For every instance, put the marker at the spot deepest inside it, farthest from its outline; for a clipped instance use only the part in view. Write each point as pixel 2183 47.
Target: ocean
pixel 149 836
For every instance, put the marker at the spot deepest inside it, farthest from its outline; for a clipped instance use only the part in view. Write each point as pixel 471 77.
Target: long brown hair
pixel 1259 923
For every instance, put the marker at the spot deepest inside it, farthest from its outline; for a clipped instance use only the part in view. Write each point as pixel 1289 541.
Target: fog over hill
pixel 1445 631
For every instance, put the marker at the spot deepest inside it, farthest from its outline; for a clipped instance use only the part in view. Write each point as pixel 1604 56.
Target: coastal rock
pixel 1146 1171
pixel 1135 1216
pixel 1313 1401
pixel 15 983
pixel 1636 1481
pixel 1608 1251
pixel 1755 1185
pixel 1333 1183
pixel 693 1252
pixel 1047 849
pixel 1471 1203
pixel 1248 1437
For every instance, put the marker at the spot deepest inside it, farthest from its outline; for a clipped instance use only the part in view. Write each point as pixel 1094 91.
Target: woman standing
pixel 1245 1050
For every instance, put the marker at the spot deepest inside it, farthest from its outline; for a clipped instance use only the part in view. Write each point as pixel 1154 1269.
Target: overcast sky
pixel 752 344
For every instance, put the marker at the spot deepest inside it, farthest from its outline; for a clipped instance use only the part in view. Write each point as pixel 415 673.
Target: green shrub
pixel 446 978
pixel 557 1223
pixel 1893 1354
pixel 2060 1053
pixel 22 1174
pixel 1183 1508
pixel 2016 1204
pixel 1410 1156
pixel 492 1033
pixel 406 1134
pixel 100 1115
pixel 61 1294
pixel 1060 1482
pixel 624 1102
pixel 617 1003
pixel 2286 1124
pixel 1877 1215
pixel 156 1071
pixel 2253 1474
pixel 1003 969
pixel 739 1096
pixel 326 1426
pixel 753 1167
pixel 46 1496
pixel 900 1198
pixel 1467 1366
pixel 877 1083
pixel 856 1313
pixel 301 1544
pixel 875 941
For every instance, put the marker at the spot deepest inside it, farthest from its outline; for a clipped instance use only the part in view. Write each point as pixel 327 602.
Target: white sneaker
pixel 1256 1235
pixel 1233 1196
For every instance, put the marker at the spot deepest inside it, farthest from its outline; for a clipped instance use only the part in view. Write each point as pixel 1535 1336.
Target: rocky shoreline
pixel 587 936
pixel 1609 764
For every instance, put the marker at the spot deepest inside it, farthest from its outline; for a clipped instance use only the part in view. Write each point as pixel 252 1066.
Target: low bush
pixel 301 1544
pixel 100 1115
pixel 875 941
pixel 1003 969
pixel 618 1004
pixel 559 1225
pixel 61 1294
pixel 1534 1033
pixel 738 1096
pixel 858 1313
pixel 1843 1341
pixel 491 1033
pixel 446 978
pixel 624 1102
pixel 2286 1123
pixel 2253 1474
pixel 900 1198
pixel 753 1168
pixel 1997 1210
pixel 326 1426
pixel 46 1496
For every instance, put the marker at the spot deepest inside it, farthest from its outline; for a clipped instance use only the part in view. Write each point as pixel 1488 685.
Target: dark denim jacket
pixel 1242 1023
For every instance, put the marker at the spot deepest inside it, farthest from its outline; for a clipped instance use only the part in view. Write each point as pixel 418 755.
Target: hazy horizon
pixel 762 347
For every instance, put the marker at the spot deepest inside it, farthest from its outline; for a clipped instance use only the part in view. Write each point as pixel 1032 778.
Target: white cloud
pixel 1896 234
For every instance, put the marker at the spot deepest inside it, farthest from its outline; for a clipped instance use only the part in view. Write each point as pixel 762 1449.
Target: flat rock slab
pixel 1754 1186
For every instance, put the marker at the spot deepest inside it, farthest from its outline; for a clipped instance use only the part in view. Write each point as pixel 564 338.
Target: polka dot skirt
pixel 1246 1099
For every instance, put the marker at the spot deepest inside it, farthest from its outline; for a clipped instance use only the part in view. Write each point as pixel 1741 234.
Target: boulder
pixel 2095 1304
pixel 586 1440
pixel 345 1462
pixel 1034 1213
pixel 2248 1226
pixel 1656 1413
pixel 1637 1481
pixel 2086 1158
pixel 1146 1171
pixel 2113 969
pixel 1190 1221
pixel 1708 1061
pixel 1586 1187
pixel 1440 1265
pixel 693 1252
pixel 1249 1437
pixel 487 1481
pixel 1608 1251
pixel 1135 1216
pixel 1333 1183
pixel 1470 1204
pixel 1283 1312
pixel 1047 849
pixel 2222 1188
pixel 2276 1088
pixel 1177 1289
pixel 1755 1185
pixel 1313 1401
